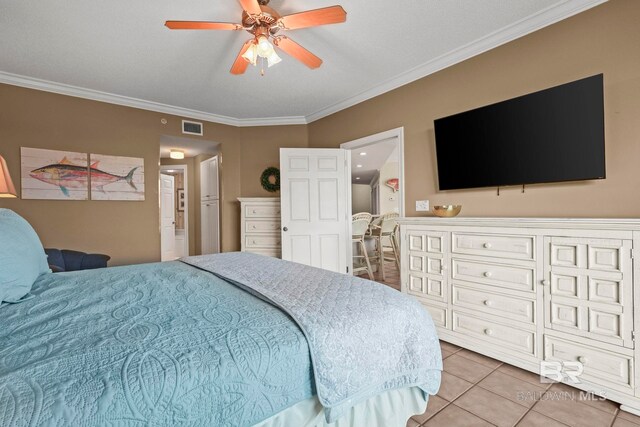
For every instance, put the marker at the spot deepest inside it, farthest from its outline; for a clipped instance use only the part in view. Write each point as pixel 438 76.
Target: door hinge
pixel 633 335
pixel 347 270
pixel 631 254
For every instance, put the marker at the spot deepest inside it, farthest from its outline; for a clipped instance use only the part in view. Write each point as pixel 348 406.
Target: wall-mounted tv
pixel 553 135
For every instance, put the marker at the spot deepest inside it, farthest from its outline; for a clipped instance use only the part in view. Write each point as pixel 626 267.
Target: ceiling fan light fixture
pixel 264 47
pixel 251 55
pixel 273 59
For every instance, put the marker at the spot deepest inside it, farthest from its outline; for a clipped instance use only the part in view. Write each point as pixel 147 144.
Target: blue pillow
pixel 22 257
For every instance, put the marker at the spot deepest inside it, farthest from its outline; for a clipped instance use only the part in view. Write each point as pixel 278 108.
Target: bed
pixel 204 342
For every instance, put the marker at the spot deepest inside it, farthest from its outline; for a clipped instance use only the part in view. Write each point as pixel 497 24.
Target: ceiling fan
pixel 265 24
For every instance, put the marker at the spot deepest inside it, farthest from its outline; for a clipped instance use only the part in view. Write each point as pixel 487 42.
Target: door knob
pixel 285 229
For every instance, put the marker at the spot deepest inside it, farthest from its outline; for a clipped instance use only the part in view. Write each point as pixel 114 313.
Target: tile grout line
pixel 474 384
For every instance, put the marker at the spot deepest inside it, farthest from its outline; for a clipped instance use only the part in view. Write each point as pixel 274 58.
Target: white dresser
pixel 529 290
pixel 260 225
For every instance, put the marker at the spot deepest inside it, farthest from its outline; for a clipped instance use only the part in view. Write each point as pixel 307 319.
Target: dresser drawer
pixel 261 211
pixel 506 336
pixel 262 226
pixel 506 276
pixel 601 367
pixel 262 241
pixel 494 245
pixel 514 308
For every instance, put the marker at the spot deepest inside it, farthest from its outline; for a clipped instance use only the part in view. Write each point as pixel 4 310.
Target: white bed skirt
pixel 389 409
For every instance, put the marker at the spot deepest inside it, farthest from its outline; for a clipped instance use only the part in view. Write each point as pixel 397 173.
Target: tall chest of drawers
pixel 533 292
pixel 260 225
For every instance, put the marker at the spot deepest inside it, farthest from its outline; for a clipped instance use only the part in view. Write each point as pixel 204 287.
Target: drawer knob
pixel 254 211
pixel 444 267
pixel 253 241
pixel 488 303
pixel 253 226
pixel 488 274
pixel 545 283
pixel 582 360
pixel 487 246
pixel 488 332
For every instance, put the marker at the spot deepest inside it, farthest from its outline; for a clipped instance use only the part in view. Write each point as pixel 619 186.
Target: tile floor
pixel 480 391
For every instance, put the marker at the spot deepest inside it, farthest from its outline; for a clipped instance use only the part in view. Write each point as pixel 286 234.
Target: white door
pixel 314 207
pixel 210 227
pixel 209 179
pixel 168 218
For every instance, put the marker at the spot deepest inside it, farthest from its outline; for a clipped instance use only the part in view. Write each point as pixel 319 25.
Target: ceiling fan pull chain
pixel 262 67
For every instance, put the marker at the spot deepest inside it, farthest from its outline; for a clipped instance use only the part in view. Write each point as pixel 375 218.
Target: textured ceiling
pixel 121 47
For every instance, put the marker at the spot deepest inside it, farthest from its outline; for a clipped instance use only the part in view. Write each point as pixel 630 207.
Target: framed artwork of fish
pixel 116 177
pixel 54 175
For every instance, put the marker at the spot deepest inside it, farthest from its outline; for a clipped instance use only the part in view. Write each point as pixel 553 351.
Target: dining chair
pixel 384 229
pixel 359 228
pixel 362 215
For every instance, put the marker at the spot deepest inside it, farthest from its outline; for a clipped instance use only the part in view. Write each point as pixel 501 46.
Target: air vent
pixel 191 128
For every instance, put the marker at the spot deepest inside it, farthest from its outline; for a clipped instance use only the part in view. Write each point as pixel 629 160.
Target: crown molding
pixel 95 95
pixel 509 33
pixel 525 26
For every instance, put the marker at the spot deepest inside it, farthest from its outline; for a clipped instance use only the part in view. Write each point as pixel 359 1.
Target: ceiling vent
pixel 191 128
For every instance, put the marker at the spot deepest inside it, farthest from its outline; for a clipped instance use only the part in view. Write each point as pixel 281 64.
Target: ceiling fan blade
pixel 297 51
pixel 201 25
pixel 251 7
pixel 240 65
pixel 313 18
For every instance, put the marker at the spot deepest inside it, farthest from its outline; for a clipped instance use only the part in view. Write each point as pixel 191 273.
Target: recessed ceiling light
pixel 357 177
pixel 176 154
pixel 363 153
pixel 358 166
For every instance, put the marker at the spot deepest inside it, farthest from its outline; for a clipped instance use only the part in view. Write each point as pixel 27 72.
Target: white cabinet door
pixel 210 233
pixel 209 179
pixel 588 288
pixel 315 211
pixel 168 218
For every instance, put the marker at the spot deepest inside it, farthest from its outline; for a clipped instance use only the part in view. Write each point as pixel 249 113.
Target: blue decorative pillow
pixel 22 257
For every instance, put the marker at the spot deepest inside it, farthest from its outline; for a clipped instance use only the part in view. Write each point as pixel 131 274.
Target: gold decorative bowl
pixel 447 211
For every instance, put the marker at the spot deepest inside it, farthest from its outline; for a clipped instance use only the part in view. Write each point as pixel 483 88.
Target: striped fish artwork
pixel 117 178
pixel 54 175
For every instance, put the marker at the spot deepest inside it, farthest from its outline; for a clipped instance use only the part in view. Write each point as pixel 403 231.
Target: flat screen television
pixel 553 135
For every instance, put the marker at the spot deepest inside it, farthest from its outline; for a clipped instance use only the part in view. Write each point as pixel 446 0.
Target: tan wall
pixel 605 40
pixel 128 231
pixel 261 149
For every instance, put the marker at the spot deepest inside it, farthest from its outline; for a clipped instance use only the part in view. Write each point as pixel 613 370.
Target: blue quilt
pixel 365 338
pixel 155 345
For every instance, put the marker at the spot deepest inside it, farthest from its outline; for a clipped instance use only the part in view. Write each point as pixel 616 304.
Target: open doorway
pixel 377 197
pixel 191 207
pixel 174 212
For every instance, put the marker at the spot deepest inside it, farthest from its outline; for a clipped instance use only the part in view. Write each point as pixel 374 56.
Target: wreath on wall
pixel 270 179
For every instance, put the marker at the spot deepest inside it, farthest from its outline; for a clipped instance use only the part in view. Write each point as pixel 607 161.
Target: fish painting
pixel 65 174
